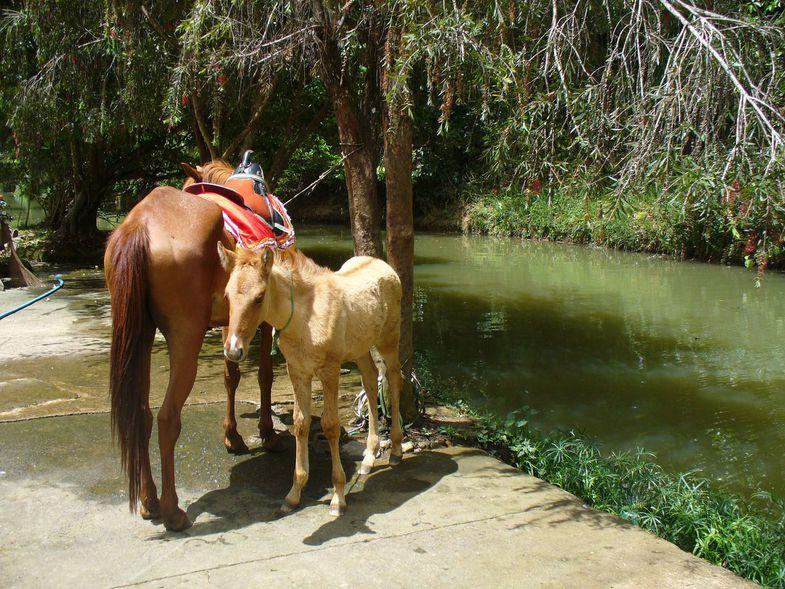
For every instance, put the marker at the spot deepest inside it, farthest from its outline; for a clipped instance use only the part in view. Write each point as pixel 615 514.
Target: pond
pixel 683 359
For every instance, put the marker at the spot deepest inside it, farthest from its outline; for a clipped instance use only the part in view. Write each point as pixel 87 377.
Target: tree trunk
pixel 356 147
pixel 91 188
pixel 400 218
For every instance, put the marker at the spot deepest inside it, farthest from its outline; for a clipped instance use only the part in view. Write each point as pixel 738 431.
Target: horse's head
pixel 249 275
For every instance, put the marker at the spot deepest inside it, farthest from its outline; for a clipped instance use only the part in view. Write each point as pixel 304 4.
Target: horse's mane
pixel 216 172
pixel 291 258
pixel 301 264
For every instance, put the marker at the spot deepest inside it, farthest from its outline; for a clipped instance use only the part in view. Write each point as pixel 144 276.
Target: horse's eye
pixel 258 300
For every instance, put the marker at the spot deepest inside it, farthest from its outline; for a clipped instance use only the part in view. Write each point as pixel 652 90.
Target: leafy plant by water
pixel 742 535
pixel 691 213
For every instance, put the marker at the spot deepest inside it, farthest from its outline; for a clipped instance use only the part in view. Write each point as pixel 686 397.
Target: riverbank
pixel 685 220
pixel 744 536
pixel 726 231
pixel 452 517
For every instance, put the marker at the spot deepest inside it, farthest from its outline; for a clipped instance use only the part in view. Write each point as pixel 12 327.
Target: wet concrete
pixel 54 357
pixel 448 518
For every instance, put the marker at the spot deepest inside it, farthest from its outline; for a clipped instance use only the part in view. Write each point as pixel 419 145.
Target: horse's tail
pixel 133 329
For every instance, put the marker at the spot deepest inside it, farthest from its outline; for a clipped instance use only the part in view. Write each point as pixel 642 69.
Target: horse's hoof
pixel 178 522
pixel 152 509
pixel 287 507
pixel 271 443
pixel 337 510
pixel 235 446
pixel 395 460
pixel 365 469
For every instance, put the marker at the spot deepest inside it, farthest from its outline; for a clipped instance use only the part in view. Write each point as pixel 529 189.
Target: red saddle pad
pixel 251 231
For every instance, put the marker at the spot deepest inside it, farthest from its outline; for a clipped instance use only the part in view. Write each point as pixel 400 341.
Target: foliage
pixel 694 214
pixel 743 535
pixel 86 85
pixel 623 94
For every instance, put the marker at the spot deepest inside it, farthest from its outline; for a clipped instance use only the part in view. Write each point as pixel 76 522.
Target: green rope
pixel 274 348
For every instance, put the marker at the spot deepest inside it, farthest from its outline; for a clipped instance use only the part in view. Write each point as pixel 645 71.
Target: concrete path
pixel 448 518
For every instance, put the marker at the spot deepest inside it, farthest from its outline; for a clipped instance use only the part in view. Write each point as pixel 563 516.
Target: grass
pixel 743 535
pixel 689 218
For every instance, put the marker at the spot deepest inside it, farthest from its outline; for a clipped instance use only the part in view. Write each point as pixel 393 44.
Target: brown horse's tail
pixel 133 329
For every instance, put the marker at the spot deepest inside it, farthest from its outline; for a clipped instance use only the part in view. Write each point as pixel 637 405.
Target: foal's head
pixel 249 275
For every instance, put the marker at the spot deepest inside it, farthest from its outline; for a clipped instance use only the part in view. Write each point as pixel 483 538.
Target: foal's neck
pixel 279 298
pixel 285 285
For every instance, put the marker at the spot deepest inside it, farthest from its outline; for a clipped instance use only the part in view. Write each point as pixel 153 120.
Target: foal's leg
pixel 267 433
pixel 370 376
pixel 390 356
pixel 183 355
pixel 331 426
pixel 301 383
pixel 233 441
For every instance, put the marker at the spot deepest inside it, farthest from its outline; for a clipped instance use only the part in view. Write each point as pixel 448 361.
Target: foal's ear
pixel 267 261
pixel 227 257
pixel 192 172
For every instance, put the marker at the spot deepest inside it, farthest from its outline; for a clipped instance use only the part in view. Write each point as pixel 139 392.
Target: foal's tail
pixel 125 263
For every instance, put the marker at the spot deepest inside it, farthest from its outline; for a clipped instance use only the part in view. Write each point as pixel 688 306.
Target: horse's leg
pixel 394 379
pixel 301 383
pixel 233 441
pixel 267 433
pixel 331 426
pixel 148 495
pixel 183 355
pixel 370 376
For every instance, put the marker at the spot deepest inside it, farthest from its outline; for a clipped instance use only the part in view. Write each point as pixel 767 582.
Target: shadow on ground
pixel 258 484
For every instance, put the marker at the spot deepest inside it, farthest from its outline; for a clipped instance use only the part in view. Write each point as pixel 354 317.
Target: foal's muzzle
pixel 234 350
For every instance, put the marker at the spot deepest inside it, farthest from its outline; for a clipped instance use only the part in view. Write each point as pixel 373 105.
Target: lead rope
pixel 276 333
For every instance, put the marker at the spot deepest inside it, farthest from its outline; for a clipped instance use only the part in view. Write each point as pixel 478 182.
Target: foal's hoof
pixel 365 469
pixel 235 445
pixel 395 460
pixel 337 510
pixel 150 509
pixel 178 522
pixel 287 507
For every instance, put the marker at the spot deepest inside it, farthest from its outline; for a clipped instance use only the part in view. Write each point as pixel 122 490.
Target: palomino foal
pixel 324 318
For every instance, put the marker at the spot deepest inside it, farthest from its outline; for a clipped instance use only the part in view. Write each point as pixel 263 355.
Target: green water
pixel 683 359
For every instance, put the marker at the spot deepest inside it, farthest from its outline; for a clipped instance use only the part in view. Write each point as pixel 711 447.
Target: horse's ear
pixel 192 172
pixel 227 257
pixel 267 261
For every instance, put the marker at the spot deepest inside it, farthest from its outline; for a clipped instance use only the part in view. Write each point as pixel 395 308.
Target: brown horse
pixel 163 272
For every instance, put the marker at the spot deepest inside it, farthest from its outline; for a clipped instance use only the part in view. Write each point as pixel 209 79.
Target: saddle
pixel 252 215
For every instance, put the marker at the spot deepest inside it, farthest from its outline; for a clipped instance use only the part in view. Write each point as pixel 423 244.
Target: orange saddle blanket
pixel 249 229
